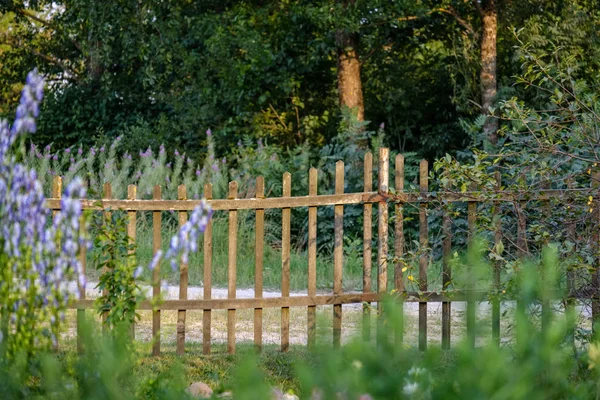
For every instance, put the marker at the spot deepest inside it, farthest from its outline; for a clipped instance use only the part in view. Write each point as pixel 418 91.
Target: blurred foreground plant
pixel 37 260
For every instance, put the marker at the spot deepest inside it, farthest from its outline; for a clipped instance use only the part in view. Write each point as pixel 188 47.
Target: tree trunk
pixel 488 72
pixel 349 82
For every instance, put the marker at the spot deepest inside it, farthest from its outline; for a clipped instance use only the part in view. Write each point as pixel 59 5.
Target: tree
pixel 348 68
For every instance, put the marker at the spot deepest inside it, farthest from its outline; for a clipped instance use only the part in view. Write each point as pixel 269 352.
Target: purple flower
pixel 80 151
pixel 208 133
pixel 198 172
pixel 162 149
pixel 68 150
pixel 41 257
pixel 138 272
pixel 55 158
pixel 177 153
pixel 382 126
pixel 186 240
pixel 102 149
pixel 155 260
pixel 215 167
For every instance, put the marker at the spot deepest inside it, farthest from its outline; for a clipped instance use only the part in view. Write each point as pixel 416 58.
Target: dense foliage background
pixel 164 72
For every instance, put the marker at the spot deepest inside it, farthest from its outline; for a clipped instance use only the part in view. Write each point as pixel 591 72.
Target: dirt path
pixel 351 320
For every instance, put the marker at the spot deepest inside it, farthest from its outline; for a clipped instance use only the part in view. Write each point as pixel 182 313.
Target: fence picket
pixel 399 245
pixel 57 193
pixel 497 265
pixel 83 263
pixel 106 194
pixel 183 279
pixel 570 302
pixel 132 233
pixel 423 258
pixel 595 183
pixel 312 258
pixel 367 245
pixel 382 236
pixel 471 306
pixel 259 249
pixel 156 245
pixel 285 262
pixel 446 276
pixel 208 251
pixel 338 253
pixel 232 268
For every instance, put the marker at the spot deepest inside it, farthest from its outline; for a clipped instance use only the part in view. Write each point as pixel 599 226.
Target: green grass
pixel 352 268
pixel 217 369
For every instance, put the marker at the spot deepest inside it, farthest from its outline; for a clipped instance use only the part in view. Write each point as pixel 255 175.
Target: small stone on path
pixel 200 390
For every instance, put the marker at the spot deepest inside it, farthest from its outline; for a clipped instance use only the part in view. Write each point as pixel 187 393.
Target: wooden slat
pixel 208 251
pixel 83 263
pixel 382 238
pixel 183 279
pixel 286 216
pixel 132 233
pixel 595 184
pixel 497 266
pixel 521 254
pixel 315 201
pixel 367 244
pixel 424 258
pixel 259 249
pixel 546 312
pixel 399 246
pixel 56 192
pixel 305 301
pixel 338 253
pixel 312 258
pixel 232 268
pixel 446 275
pixel 156 245
pixel 471 306
pixel 106 194
pixel 570 303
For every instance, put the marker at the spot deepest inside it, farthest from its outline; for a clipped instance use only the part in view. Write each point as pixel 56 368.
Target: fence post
pixel 471 306
pixel 596 272
pixel 367 244
pixel 285 262
pixel 399 247
pixel 83 262
pixel 338 253
pixel 259 244
pixel 423 258
pixel 497 265
pixel 382 237
pixel 57 194
pixel 446 272
pixel 232 268
pixel 156 244
pixel 208 250
pixel 107 195
pixel 183 280
pixel 570 305
pixel 312 258
pixel 131 233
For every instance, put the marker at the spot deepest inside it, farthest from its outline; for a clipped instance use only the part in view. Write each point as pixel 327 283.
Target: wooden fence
pixel 371 292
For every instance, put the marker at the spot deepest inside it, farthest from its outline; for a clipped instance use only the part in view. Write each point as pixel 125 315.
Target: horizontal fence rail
pixel 422 201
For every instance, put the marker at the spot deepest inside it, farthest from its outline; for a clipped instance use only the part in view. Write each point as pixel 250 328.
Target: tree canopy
pixel 165 71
